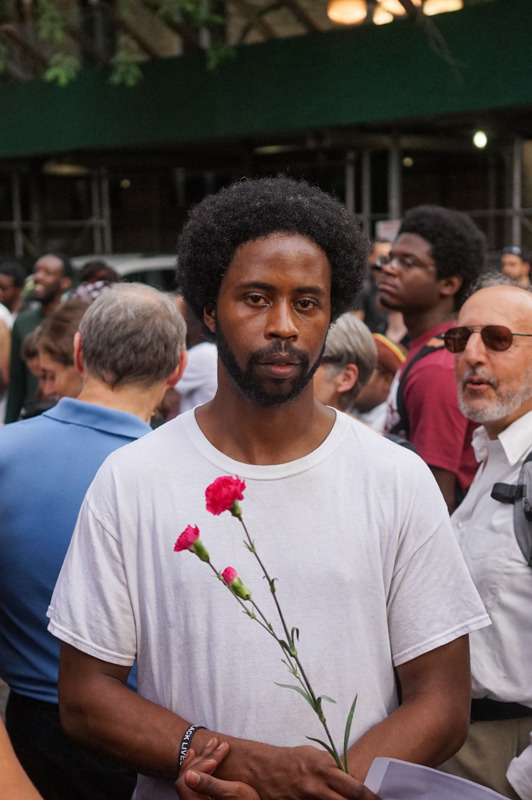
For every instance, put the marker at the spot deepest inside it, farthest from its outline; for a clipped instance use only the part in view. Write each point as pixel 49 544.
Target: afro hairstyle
pixel 457 246
pixel 254 209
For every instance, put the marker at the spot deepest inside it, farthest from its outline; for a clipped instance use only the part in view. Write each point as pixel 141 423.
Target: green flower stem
pixel 267 627
pixel 302 678
pixel 271 583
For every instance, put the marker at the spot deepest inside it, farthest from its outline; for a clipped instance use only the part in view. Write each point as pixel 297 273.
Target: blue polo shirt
pixel 46 466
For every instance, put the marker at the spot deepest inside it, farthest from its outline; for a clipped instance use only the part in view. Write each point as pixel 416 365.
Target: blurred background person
pixel 515 264
pixel 436 257
pixel 200 378
pixel 369 405
pixel 95 276
pixel 348 361
pixel 30 355
pixel 52 277
pixel 59 376
pixel 5 350
pixel 12 277
pixel 378 318
pixel 367 307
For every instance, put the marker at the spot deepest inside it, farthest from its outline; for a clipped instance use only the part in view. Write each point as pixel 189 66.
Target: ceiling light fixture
pixel 480 139
pixel 347 12
pixel 354 12
pixel 431 7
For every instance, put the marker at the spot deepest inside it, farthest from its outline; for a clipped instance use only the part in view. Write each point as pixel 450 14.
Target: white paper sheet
pixel 392 779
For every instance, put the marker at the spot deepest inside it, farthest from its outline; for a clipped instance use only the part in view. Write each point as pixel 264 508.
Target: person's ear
pixel 66 283
pixel 78 353
pixel 209 318
pixel 451 285
pixel 178 371
pixel 346 378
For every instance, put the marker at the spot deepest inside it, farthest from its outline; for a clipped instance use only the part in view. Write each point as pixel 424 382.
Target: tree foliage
pixel 55 27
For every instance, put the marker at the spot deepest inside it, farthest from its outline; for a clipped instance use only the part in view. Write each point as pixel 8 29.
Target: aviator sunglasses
pixel 495 337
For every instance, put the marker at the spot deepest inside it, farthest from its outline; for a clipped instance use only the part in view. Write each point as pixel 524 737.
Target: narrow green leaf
pixel 329 699
pixel 348 728
pixel 330 750
pixel 301 691
pixel 290 667
pixel 323 744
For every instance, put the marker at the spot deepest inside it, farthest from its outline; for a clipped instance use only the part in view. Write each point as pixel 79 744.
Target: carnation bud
pixel 230 576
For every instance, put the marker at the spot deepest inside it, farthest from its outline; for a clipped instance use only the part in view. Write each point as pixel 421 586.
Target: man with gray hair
pixel 349 358
pixel 492 348
pixel 129 349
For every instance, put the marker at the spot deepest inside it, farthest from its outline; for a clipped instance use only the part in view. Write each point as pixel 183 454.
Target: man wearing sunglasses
pixel 437 255
pixel 492 348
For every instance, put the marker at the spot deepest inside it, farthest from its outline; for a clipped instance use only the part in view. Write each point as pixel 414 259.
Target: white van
pixel 157 271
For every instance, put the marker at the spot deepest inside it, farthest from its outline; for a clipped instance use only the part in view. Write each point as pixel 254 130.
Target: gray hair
pixel 132 333
pixel 349 341
pixel 489 278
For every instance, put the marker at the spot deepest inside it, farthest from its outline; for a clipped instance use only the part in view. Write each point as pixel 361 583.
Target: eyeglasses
pixel 495 337
pixel 401 262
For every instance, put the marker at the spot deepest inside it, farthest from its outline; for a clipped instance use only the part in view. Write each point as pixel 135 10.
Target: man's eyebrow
pixel 270 287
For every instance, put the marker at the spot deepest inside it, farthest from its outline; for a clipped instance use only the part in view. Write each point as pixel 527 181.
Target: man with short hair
pixel 12 277
pixel 515 264
pixel 493 362
pixel 268 265
pixel 52 278
pixel 129 349
pixel 438 253
pixel 366 304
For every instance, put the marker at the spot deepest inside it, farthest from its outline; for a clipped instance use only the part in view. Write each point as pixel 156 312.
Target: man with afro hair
pixel 353 528
pixel 437 255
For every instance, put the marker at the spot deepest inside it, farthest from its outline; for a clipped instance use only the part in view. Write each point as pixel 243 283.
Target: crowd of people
pixel 361 395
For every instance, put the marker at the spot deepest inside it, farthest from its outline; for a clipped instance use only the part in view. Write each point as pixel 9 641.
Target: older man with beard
pixel 493 364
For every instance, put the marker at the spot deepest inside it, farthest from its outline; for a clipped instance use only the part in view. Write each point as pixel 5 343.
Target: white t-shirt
pixel 375 417
pixel 356 534
pixel 199 381
pixel 5 316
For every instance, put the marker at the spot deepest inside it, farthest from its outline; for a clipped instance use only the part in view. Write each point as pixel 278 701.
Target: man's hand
pixel 307 773
pixel 196 776
pixel 297 772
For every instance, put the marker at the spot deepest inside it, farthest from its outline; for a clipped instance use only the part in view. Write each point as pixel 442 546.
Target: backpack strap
pixel 520 496
pixel 402 427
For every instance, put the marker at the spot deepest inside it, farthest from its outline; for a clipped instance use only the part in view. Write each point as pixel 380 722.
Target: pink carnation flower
pixel 223 495
pixel 187 539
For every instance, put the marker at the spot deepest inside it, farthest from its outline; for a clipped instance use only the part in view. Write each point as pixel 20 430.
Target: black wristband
pixel 186 740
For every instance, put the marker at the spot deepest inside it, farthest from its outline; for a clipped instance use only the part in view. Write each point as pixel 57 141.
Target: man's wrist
pixel 186 740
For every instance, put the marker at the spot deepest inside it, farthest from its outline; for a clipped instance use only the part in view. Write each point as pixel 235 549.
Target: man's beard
pixel 504 403
pixel 252 386
pixel 48 297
